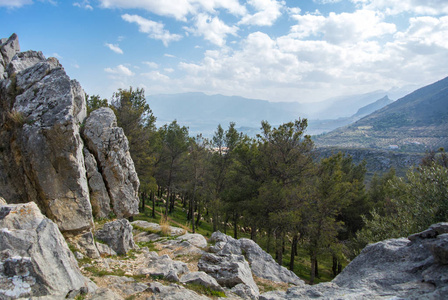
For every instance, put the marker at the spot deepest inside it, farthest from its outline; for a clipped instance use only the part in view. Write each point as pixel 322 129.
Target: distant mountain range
pixel 202 113
pixel 416 122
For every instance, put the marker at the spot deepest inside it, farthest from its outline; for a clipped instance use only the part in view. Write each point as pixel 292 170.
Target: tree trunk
pixel 153 198
pixel 295 240
pixel 268 243
pixel 316 268
pixel 279 249
pixel 235 227
pixel 313 267
pixel 142 209
pixel 253 233
pixel 334 268
pixel 198 217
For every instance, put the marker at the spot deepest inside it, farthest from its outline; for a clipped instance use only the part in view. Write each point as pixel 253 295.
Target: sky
pixel 303 50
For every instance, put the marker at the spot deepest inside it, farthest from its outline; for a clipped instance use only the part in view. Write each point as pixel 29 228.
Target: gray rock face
pixel 117 235
pixel 99 198
pixel 164 266
pixel 109 145
pixel 41 112
pixel 391 269
pixel 194 239
pixel 8 48
pixel 173 292
pixel 228 270
pixel 202 278
pixel 261 263
pixel 45 159
pixel 35 260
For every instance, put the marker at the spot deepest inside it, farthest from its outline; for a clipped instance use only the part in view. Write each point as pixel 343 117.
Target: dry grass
pixel 165 226
pixel 17 117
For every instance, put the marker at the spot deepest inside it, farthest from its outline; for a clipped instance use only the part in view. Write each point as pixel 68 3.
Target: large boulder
pixel 117 235
pixel 405 268
pixel 164 266
pixel 42 159
pixel 35 260
pixel 264 266
pixel 110 147
pixel 228 270
pixel 203 279
pixel 99 197
pixel 261 263
pixel 173 292
pixel 8 48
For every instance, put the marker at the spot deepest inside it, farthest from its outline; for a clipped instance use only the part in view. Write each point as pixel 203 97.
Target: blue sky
pixel 302 50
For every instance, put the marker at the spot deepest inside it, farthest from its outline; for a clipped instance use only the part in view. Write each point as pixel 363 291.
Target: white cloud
pixel 169 55
pixel 114 48
pixel 119 70
pixel 156 76
pixel 267 12
pixel 212 29
pixel 155 30
pixel 83 4
pixel 425 35
pixel 393 7
pixel 15 3
pixel 342 28
pixel 151 64
pixel 179 9
pixel 169 70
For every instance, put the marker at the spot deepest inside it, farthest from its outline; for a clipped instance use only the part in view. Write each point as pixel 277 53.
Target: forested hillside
pixel 272 188
pixel 416 122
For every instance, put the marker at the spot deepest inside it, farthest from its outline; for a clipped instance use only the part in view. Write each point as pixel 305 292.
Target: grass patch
pixel 100 273
pixel 200 289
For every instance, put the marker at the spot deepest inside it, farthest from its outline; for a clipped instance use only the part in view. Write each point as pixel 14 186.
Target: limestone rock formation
pixel 44 159
pixel 109 145
pixel 228 270
pixel 117 235
pixel 99 197
pixel 35 260
pixel 173 292
pixel 397 268
pixel 202 278
pixel 164 266
pixel 261 263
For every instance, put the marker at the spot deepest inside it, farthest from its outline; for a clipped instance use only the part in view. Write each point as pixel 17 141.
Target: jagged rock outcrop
pixel 229 270
pixel 163 266
pixel 156 228
pixel 397 268
pixel 261 263
pixel 201 278
pixel 35 260
pixel 173 292
pixel 110 146
pixel 43 157
pixel 99 197
pixel 117 235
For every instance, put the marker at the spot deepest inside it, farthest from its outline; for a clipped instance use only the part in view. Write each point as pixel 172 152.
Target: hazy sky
pixel 302 50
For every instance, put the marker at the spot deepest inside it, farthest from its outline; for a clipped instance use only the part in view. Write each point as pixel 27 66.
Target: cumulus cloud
pixel 83 4
pixel 178 9
pixel 393 7
pixel 15 3
pixel 114 48
pixel 119 70
pixel 155 30
pixel 267 12
pixel 344 27
pixel 212 29
pixel 151 64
